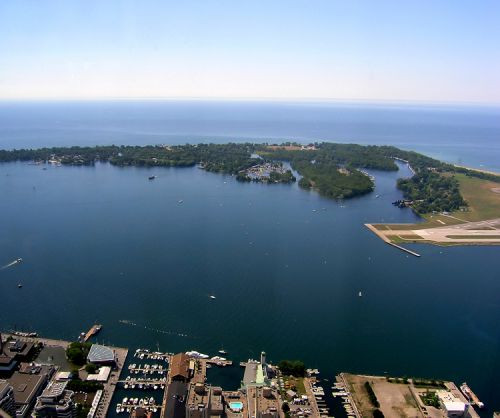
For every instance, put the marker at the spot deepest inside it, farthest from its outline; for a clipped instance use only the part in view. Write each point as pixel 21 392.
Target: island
pixel 458 205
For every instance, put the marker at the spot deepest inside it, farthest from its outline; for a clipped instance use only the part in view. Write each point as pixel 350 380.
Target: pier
pixel 91 332
pixel 404 249
pixel 218 362
pixel 384 238
pixel 147 369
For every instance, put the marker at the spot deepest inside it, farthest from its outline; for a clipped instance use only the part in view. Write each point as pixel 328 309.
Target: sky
pixel 431 51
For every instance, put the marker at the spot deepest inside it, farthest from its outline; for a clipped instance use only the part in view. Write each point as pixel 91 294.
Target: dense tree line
pixel 432 191
pixel 294 368
pixel 331 169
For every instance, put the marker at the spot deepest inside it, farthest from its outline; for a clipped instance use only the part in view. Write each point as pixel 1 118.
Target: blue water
pixel 458 134
pixel 106 244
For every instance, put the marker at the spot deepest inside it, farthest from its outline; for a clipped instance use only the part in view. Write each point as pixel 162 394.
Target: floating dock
pixel 91 332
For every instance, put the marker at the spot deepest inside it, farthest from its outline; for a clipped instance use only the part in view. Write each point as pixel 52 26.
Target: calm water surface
pixel 458 134
pixel 105 244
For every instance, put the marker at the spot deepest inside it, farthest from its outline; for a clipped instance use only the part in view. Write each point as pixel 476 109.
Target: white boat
pixel 196 354
pixel 360 294
pixel 212 297
pixel 117 409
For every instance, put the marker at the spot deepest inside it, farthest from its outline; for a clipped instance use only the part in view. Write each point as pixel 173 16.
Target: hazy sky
pixel 427 50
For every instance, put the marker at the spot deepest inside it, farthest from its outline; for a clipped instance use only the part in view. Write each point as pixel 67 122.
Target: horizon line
pixel 252 99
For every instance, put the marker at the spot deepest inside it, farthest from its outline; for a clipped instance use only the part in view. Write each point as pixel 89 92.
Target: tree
pixel 91 368
pixel 294 368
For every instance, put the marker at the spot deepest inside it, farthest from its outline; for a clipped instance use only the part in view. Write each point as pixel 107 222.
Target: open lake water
pixel 105 244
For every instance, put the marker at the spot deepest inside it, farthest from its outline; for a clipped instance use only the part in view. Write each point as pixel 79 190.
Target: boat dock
pixel 146 368
pixel 218 362
pixel 471 396
pixel 155 355
pixel 91 332
pixel 342 389
pixel 129 405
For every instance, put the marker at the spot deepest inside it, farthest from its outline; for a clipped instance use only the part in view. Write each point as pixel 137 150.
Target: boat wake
pixel 13 263
pixel 159 331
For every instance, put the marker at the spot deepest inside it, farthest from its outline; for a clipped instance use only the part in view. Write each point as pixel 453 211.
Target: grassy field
pixel 482 196
pixel 296 384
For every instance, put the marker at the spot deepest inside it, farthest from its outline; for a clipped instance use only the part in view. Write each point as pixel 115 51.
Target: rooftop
pixel 26 386
pixel 100 354
pixel 54 390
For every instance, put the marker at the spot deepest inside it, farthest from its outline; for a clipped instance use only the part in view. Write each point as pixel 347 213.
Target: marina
pixel 128 405
pixel 146 368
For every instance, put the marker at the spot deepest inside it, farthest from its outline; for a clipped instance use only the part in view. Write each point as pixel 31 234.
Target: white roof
pixel 100 353
pixel 454 406
pixel 63 375
pixel 101 376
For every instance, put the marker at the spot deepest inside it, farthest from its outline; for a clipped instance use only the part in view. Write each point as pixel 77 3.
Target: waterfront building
pixel 11 353
pixel 263 402
pixel 198 402
pixel 176 399
pixel 180 369
pixel 256 372
pixel 452 405
pixel 102 374
pixel 56 401
pixel 6 398
pixel 100 354
pixel 27 386
pixel 216 402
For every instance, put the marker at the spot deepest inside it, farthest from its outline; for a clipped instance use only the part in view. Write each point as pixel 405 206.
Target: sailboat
pixel 222 351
